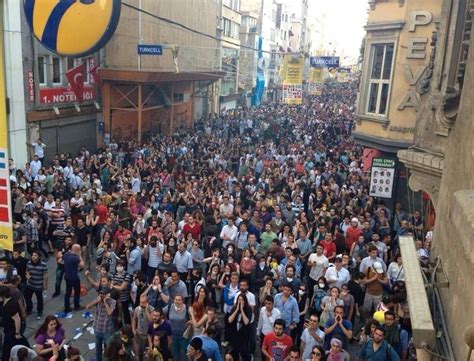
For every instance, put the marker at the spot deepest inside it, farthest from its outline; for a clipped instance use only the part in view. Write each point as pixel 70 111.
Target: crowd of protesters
pixel 251 235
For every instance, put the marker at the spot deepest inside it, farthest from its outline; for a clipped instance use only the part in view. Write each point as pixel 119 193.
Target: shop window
pixel 56 75
pixel 42 70
pixel 380 75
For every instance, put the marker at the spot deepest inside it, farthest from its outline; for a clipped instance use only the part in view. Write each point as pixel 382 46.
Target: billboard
pixel 293 69
pixel 324 61
pixel 314 88
pixel 382 177
pixel 65 26
pixel 292 93
pixel 6 224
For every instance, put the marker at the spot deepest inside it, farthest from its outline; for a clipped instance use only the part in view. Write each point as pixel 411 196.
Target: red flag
pixel 75 76
pixel 94 72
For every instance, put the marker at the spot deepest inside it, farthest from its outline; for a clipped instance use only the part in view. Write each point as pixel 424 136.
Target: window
pixel 227 3
pixel 56 70
pixel 226 26
pixel 379 82
pixel 235 30
pixel 42 70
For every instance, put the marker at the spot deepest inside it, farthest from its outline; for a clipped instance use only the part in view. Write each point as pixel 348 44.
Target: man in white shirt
pixel 311 337
pixel 39 147
pixel 229 232
pixel 35 166
pixel 368 261
pixel 267 317
pixel 183 262
pixel 337 275
pixel 226 208
pixel 319 264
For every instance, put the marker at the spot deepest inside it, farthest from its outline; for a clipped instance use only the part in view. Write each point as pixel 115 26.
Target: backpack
pixel 318 296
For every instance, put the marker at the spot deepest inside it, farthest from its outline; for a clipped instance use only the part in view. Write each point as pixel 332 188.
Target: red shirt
pixel 329 248
pixel 101 211
pixel 352 234
pixel 120 237
pixel 279 348
pixel 194 230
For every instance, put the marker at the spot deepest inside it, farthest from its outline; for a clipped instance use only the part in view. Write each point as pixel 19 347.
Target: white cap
pixel 378 267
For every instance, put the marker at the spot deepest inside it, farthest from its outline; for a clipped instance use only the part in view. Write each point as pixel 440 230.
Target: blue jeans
pixel 180 348
pixel 101 339
pixel 59 279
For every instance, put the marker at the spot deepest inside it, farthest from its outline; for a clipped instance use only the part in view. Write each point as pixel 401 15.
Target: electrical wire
pixel 175 23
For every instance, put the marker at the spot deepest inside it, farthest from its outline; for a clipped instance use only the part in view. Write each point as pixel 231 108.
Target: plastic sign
pixel 150 50
pixel 324 61
pixel 73 28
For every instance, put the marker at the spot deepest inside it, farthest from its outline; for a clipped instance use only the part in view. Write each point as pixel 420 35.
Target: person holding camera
pixel 103 307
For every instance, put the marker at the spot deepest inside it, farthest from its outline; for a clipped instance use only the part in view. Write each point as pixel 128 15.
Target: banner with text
pixel 316 75
pixel 314 88
pixel 382 176
pixel 6 225
pixel 293 69
pixel 292 93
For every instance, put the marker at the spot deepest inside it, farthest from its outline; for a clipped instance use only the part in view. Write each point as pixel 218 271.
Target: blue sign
pixel 150 50
pixel 324 61
pixel 260 84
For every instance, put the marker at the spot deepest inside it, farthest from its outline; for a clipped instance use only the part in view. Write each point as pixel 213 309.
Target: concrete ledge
pixel 424 332
pixel 422 161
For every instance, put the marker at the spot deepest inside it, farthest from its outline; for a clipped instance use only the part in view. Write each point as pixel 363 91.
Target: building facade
pixel 441 164
pixel 40 102
pixel 230 54
pixel 145 94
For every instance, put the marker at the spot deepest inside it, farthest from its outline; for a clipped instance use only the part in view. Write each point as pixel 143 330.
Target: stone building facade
pixel 441 162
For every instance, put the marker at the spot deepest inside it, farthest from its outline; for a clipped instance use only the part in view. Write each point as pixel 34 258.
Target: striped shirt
pixel 57 216
pixel 117 280
pixel 37 271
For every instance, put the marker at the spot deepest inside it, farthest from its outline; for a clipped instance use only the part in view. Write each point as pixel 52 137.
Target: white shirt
pixel 395 272
pixel 35 167
pixel 230 232
pixel 310 342
pixel 337 278
pixel 317 269
pixel 265 322
pixel 39 149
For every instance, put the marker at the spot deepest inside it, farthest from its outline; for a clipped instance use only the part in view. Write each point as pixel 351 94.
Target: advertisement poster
pixel 314 89
pixel 6 225
pixel 382 177
pixel 293 69
pixel 293 93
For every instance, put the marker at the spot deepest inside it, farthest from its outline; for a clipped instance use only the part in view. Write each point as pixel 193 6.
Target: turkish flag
pixel 75 76
pixel 94 71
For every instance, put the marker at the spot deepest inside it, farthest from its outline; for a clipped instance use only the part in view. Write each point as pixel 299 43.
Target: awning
pixel 133 76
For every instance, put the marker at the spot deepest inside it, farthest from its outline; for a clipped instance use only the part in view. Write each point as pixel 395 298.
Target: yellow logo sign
pixel 73 27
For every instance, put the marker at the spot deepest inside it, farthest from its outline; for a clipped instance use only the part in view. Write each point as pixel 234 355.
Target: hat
pixel 104 290
pixel 196 343
pixel 378 267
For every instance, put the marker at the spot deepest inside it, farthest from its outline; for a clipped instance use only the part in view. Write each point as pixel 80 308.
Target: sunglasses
pixel 316 353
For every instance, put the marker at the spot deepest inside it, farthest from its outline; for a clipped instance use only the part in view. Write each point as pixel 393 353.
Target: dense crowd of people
pixel 253 234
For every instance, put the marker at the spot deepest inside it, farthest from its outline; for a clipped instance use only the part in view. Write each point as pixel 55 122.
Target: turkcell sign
pixel 150 50
pixel 324 61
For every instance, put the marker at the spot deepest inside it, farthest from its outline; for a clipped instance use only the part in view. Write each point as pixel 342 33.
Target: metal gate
pixel 69 135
